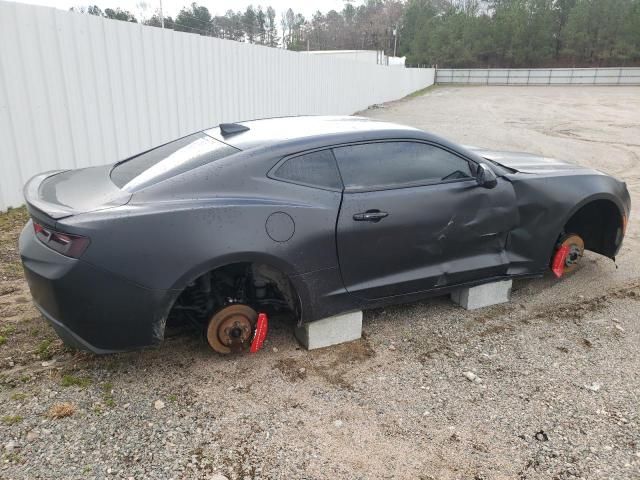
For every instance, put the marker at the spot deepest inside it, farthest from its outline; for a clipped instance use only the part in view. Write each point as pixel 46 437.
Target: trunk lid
pixel 63 193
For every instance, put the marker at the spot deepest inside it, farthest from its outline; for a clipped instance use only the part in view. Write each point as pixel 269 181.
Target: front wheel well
pixel 259 285
pixel 600 225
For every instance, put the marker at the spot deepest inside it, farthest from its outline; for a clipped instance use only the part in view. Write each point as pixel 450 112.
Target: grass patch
pixel 14 458
pixel 18 396
pixel 11 222
pixel 112 365
pixel 44 350
pixel 424 91
pixel 73 381
pixel 8 330
pixel 12 419
pixel 107 394
pixel 13 269
pixel 5 332
pixel 13 217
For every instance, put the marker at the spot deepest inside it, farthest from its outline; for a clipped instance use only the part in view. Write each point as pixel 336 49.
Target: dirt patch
pixel 577 310
pixel 292 369
pixel 332 364
pixel 7 289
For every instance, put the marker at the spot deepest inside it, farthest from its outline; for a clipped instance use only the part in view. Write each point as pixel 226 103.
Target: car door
pixel 414 218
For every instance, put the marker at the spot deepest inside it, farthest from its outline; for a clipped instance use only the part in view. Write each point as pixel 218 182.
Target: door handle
pixel 370 216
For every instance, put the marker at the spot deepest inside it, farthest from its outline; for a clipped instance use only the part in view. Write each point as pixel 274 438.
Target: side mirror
pixel 485 176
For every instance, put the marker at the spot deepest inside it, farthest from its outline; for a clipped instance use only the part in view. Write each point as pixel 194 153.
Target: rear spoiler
pixel 59 194
pixel 32 197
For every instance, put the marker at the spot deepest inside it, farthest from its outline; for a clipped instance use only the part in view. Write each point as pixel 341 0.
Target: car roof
pixel 269 131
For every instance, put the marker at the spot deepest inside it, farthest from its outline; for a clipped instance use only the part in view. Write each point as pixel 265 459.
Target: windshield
pixel 168 161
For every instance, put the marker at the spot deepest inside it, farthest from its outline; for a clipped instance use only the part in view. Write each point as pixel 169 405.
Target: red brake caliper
pixel 559 260
pixel 260 334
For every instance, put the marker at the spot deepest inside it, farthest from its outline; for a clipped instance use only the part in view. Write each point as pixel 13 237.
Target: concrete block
pixel 330 331
pixel 483 295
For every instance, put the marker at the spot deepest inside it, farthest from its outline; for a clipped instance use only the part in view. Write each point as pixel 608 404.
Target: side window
pixel 316 169
pixel 397 164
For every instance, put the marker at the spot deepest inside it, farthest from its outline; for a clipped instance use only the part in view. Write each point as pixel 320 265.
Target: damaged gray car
pixel 314 216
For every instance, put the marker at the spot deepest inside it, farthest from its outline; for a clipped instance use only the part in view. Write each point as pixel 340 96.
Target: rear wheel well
pixel 599 224
pixel 261 286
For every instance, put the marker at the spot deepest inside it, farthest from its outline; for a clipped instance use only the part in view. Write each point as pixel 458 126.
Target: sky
pixel 146 8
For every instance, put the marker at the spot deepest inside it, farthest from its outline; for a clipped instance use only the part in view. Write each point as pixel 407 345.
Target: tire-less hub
pixel 231 329
pixel 576 251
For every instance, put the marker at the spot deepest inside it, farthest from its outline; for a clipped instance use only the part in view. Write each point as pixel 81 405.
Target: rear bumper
pixel 69 338
pixel 91 308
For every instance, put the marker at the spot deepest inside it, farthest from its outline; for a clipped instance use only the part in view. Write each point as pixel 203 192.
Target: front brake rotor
pixel 576 251
pixel 231 329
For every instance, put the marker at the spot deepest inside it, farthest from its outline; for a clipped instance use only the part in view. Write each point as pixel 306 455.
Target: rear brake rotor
pixel 576 251
pixel 231 329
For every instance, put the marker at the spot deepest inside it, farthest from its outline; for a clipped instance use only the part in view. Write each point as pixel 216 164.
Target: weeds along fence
pixel 78 90
pixel 539 76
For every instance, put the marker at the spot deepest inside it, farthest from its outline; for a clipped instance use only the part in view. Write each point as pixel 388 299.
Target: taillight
pixel 64 243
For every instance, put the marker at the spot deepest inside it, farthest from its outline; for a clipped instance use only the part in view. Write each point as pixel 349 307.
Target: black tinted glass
pixel 394 164
pixel 169 160
pixel 316 168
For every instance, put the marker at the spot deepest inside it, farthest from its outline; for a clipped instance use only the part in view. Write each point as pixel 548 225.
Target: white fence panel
pixel 78 90
pixel 539 76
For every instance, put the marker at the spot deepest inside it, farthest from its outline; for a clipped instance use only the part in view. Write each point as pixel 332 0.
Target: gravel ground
pixel 545 387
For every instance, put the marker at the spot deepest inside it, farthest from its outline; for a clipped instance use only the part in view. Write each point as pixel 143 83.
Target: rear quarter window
pixel 168 161
pixel 315 169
